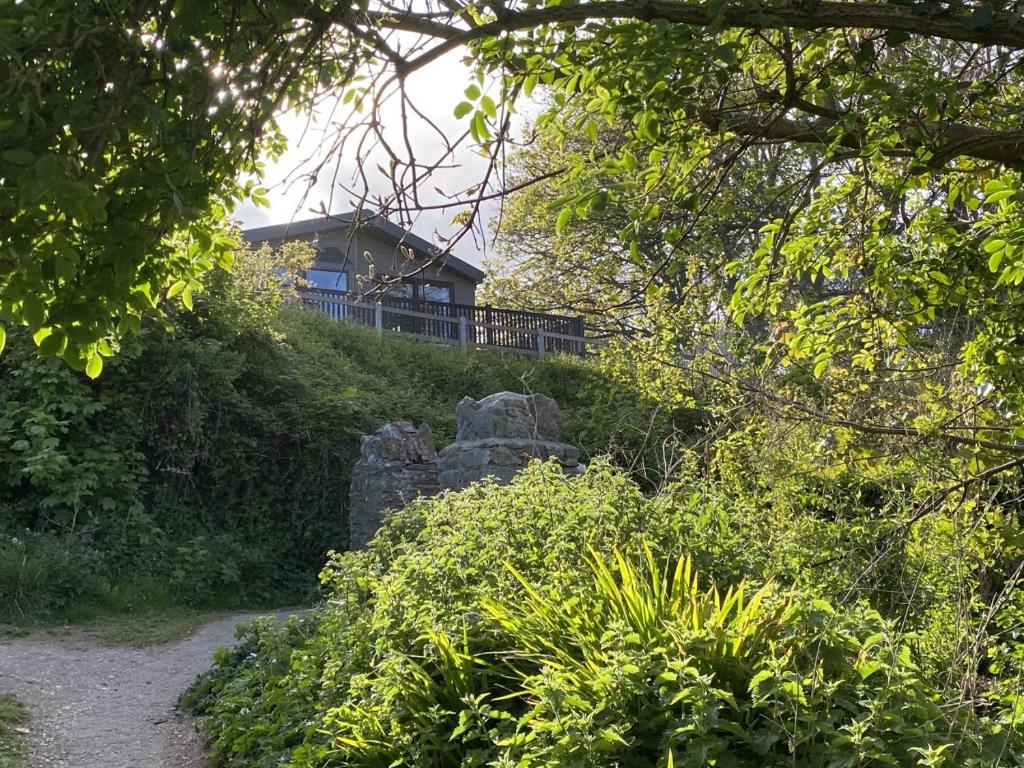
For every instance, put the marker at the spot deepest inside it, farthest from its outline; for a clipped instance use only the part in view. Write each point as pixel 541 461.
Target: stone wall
pixel 497 437
pixel 396 464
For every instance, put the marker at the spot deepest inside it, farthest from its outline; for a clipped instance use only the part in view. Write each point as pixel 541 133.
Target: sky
pixel 436 90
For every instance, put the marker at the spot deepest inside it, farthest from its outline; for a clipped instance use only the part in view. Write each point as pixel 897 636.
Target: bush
pixel 559 622
pixel 247 684
pixel 40 574
pixel 217 458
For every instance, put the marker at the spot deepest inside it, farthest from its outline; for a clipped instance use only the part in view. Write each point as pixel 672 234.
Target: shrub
pixel 558 622
pixel 217 458
pixel 251 681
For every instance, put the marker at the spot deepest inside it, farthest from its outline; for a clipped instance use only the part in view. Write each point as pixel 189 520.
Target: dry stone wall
pixel 396 464
pixel 501 434
pixel 497 437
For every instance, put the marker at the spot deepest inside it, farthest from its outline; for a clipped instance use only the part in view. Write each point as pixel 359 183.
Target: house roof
pixel 369 221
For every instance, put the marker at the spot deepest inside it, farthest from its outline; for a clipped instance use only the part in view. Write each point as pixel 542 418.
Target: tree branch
pixel 795 15
pixel 948 139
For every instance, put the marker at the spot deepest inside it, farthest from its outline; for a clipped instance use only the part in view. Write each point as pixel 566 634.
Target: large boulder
pixel 508 415
pixel 397 463
pixel 499 435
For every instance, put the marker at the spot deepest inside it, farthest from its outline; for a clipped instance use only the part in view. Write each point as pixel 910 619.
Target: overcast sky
pixel 436 90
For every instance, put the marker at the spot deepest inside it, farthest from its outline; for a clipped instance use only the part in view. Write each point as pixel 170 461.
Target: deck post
pixel 540 343
pixel 463 332
pixel 378 318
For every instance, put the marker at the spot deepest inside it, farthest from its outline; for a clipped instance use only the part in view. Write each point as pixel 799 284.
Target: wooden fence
pixel 467 325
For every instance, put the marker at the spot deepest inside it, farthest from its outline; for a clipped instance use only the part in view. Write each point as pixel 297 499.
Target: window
pixel 435 292
pixel 327 279
pixel 413 288
pixel 400 290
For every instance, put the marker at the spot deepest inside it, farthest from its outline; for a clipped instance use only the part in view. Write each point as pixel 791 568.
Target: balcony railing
pixel 469 326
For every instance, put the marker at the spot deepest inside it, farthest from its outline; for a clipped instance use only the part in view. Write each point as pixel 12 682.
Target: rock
pixel 399 441
pixel 397 464
pixel 499 435
pixel 509 415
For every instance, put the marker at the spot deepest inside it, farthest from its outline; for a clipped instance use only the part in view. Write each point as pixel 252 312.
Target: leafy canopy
pixel 129 125
pixel 125 128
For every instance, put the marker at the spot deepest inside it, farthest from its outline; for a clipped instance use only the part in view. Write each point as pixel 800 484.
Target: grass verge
pixel 13 717
pixel 137 629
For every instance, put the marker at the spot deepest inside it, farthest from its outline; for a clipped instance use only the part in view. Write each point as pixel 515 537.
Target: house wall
pixel 386 258
pixel 389 259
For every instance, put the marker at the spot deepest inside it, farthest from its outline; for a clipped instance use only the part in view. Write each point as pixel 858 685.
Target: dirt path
pixel 99 707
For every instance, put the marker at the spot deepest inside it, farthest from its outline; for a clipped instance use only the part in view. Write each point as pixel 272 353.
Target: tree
pixel 895 259
pixel 909 117
pixel 125 128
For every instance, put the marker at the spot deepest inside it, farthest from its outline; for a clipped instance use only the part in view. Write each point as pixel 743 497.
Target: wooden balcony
pixel 466 325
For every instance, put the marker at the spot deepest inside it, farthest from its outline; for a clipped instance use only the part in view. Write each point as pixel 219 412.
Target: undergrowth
pixel 580 622
pixel 210 466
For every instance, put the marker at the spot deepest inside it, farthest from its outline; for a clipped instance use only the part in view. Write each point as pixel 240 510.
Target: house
pixel 375 273
pixel 375 258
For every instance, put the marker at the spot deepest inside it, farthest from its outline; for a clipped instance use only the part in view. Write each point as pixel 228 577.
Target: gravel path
pixel 99 707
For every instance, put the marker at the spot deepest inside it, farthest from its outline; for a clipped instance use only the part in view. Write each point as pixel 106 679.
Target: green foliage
pixel 260 710
pixel 40 574
pixel 217 458
pixel 1006 656
pixel 61 456
pixel 125 131
pixel 561 622
pixel 12 715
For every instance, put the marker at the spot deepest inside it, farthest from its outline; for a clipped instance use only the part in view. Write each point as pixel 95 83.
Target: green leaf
pixel 18 156
pixel 994 261
pixel 487 105
pixel 473 92
pixel 479 128
pixel 939 277
pixel 74 358
pixel 33 312
pixel 462 109
pixel 186 298
pixel 94 367
pixel 53 343
pixel 563 219
pixel 177 288
pixel 868 668
pixel 634 252
pixel 3 338
pixel 204 239
pixel 649 128
pixel 1002 194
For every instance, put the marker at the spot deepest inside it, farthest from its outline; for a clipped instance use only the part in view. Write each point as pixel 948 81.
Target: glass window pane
pixel 328 279
pixel 437 293
pixel 400 290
